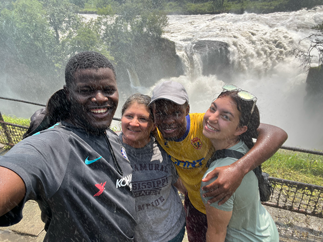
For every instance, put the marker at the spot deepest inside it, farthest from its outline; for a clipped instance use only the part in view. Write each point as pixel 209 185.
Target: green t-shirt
pixel 250 221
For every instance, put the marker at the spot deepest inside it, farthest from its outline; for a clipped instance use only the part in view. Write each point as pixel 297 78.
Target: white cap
pixel 170 90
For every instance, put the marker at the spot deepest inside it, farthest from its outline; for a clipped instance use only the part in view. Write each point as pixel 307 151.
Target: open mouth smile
pixel 169 130
pixel 209 127
pixel 99 110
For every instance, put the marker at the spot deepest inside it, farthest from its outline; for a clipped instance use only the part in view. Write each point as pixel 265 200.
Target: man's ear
pixel 187 110
pixel 153 128
pixel 240 130
pixel 67 93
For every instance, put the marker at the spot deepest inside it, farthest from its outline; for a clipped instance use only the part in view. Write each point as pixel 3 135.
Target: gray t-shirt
pixel 250 221
pixel 160 213
pixel 84 194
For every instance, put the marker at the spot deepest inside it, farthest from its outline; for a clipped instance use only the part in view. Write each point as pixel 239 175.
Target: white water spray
pixel 262 53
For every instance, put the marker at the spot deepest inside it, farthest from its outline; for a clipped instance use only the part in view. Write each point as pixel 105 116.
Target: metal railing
pixel 10 134
pixel 296 197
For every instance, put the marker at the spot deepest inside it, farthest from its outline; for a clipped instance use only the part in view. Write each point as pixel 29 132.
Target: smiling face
pixel 94 99
pixel 137 124
pixel 221 122
pixel 170 118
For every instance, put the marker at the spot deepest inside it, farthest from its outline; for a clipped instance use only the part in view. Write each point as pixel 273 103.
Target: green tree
pixel 40 33
pixel 136 26
pixel 79 3
pixel 36 39
pixel 218 4
pixel 86 38
pixel 25 33
pixel 61 16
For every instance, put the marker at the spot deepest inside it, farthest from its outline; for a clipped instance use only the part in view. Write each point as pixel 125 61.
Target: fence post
pixel 6 131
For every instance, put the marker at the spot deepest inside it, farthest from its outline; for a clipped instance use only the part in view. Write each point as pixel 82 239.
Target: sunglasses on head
pixel 244 95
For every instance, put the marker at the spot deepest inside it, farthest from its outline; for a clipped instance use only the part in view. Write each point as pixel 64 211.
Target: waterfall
pixel 253 51
pixel 261 60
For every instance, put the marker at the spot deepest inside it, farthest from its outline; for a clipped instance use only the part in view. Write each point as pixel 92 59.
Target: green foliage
pixel 38 36
pixel 236 6
pixel 136 26
pixel 79 3
pixel 88 8
pixel 173 7
pixel 196 8
pixel 85 38
pixel 296 166
pixel 218 4
pixel 43 34
pixel 14 120
pixel 25 33
pixel 54 30
pixel 107 10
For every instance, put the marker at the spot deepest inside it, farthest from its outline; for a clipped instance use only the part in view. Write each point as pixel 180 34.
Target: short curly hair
pixel 86 60
pixel 140 99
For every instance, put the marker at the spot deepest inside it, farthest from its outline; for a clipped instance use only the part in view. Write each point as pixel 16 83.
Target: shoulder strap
pixel 226 153
pixel 265 188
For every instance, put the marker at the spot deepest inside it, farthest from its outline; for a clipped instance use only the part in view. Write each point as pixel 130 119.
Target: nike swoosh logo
pixel 88 162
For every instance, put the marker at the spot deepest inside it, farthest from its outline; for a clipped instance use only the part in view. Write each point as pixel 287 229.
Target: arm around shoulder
pixel 270 138
pixel 12 190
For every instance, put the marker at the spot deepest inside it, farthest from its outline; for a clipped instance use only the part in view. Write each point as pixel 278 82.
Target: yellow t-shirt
pixel 190 155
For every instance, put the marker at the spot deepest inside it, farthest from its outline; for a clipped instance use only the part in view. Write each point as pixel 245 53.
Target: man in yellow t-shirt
pixel 180 134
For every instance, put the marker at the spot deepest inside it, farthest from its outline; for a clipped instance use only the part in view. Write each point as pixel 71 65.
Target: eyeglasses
pixel 247 96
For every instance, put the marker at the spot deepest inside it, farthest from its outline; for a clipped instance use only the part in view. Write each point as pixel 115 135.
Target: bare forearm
pixel 270 139
pixel 12 190
pixel 213 236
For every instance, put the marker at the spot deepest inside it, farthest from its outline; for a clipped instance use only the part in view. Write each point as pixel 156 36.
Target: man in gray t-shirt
pixel 76 170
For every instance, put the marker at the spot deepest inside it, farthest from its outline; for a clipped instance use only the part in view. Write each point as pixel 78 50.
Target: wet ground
pixel 291 226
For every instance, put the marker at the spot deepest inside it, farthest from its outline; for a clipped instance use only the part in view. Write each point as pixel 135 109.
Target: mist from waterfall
pixel 262 58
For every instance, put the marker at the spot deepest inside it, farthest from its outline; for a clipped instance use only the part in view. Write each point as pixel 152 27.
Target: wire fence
pixel 10 134
pixel 296 197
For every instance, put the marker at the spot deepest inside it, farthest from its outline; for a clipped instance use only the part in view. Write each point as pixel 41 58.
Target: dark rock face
pixel 154 62
pixel 314 81
pixel 314 91
pixel 159 60
pixel 214 56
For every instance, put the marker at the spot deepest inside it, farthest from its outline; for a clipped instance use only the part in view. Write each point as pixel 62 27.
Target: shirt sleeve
pixel 227 206
pixel 42 174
